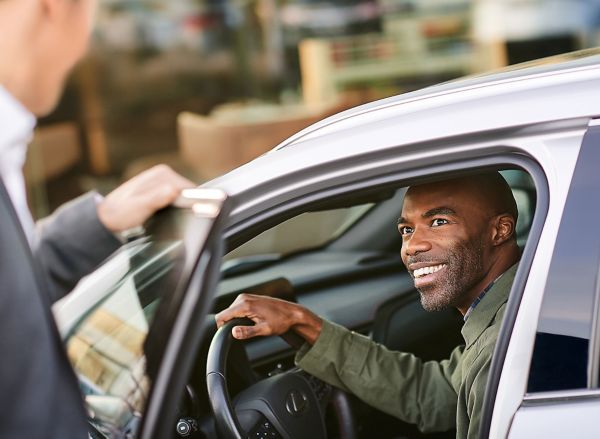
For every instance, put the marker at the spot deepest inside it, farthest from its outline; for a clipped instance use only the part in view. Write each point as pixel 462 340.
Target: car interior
pixel 341 259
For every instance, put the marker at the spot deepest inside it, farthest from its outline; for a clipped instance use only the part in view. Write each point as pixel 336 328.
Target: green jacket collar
pixel 486 310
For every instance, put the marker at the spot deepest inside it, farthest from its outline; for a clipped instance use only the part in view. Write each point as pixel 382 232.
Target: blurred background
pixel 207 85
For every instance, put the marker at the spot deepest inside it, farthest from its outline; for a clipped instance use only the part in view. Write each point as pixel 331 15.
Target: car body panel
pixel 559 419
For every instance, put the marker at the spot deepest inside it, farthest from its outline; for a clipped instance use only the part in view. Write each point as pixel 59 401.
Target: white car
pixel 314 221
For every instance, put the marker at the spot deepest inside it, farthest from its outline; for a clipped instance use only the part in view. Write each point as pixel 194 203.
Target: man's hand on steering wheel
pixel 271 317
pixel 292 403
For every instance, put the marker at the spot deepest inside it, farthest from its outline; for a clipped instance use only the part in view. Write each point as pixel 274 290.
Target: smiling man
pixel 457 237
pixel 459 245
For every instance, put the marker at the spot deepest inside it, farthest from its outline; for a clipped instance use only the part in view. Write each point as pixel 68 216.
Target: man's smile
pixel 426 274
pixel 427 270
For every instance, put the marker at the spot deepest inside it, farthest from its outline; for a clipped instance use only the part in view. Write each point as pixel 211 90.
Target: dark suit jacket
pixel 39 393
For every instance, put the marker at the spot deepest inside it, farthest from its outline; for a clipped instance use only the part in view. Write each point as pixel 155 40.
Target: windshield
pixel 107 324
pixel 306 231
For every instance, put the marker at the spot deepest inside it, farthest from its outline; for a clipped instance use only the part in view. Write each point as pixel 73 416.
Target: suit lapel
pixel 36 271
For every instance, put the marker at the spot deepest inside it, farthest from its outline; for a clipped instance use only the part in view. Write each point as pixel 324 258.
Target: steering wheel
pixel 289 405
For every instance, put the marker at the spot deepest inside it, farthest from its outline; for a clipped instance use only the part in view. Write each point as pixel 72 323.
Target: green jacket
pixel 436 396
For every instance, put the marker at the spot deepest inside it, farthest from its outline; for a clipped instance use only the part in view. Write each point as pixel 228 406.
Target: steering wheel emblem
pixel 296 402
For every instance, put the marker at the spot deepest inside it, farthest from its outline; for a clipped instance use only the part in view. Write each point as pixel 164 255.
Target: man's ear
pixel 504 229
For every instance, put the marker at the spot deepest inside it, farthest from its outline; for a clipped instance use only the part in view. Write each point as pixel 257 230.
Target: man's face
pixel 62 41
pixel 445 247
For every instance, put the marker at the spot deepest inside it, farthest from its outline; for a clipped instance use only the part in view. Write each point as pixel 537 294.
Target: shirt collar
pixel 16 129
pixel 478 299
pixel 487 308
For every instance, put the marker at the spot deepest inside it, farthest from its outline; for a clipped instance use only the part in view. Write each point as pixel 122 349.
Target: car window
pixel 111 326
pixel 312 230
pixel 305 231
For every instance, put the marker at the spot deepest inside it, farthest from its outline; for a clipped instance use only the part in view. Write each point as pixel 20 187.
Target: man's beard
pixel 464 268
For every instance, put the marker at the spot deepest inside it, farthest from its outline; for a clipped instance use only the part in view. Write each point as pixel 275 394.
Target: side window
pixel 314 229
pixel 565 327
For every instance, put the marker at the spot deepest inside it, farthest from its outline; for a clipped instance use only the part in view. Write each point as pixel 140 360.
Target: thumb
pixel 244 332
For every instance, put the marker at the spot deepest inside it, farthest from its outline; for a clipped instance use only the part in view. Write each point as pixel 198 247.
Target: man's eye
pixel 438 222
pixel 404 230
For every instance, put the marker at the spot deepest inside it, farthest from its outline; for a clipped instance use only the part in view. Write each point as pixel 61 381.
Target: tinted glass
pixel 115 341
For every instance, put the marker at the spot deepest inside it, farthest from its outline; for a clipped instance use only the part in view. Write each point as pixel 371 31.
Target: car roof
pixel 551 89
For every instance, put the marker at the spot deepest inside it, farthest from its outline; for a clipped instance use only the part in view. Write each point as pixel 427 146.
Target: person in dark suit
pixel 40 42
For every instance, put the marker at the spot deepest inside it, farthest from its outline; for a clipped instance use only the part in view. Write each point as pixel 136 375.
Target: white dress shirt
pixel 16 131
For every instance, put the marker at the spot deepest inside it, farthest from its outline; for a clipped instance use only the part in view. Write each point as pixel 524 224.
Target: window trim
pixel 542 398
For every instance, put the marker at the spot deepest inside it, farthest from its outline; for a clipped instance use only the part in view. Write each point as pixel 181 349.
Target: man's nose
pixel 417 243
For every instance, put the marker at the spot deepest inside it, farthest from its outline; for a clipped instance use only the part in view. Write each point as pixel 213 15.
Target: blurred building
pixel 267 67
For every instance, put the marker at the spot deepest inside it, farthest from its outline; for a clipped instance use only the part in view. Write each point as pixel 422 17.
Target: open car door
pixel 132 327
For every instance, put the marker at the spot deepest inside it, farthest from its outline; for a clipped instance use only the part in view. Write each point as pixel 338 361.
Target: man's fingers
pixel 158 197
pixel 235 310
pixel 223 317
pixel 133 202
pixel 244 332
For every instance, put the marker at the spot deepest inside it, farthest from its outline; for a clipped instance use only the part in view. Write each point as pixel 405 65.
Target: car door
pixel 203 242
pixel 563 396
pixel 132 328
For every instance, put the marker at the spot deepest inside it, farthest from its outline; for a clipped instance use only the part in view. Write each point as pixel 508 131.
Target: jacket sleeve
pixel 397 383
pixel 71 243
